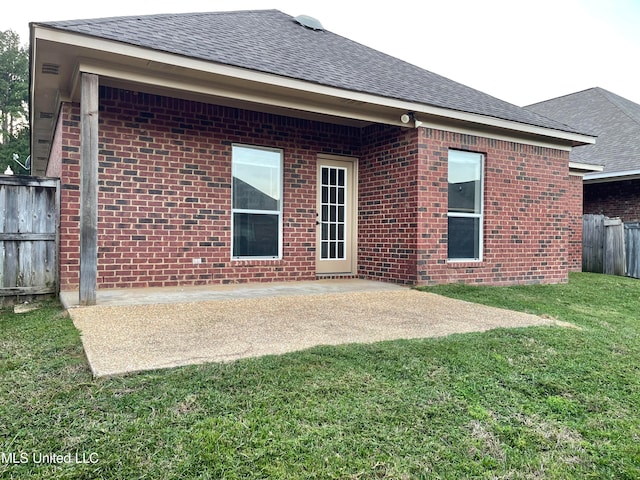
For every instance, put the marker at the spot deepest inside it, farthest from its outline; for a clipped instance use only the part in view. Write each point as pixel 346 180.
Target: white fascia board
pixel 207 90
pixel 578 169
pixel 587 167
pixel 175 60
pixel 612 176
pixel 32 73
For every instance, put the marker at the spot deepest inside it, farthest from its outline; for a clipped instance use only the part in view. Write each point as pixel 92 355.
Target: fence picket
pixel 614 263
pixel 593 243
pixel 632 242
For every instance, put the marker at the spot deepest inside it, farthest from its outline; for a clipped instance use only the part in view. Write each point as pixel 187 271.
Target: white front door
pixel 336 215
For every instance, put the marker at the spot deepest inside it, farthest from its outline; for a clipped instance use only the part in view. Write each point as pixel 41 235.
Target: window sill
pixel 256 261
pixel 465 263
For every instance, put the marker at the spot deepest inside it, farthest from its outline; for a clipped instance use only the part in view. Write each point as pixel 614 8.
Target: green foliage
pixel 540 402
pixel 18 144
pixel 14 98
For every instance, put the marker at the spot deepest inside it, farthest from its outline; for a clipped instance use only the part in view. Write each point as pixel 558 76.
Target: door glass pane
pixel 332 240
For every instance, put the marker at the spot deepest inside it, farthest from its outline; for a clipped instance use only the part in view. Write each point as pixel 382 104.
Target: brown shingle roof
pixel 271 41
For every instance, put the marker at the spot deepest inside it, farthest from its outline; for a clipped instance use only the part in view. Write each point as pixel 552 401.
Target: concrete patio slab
pixel 136 331
pixel 155 295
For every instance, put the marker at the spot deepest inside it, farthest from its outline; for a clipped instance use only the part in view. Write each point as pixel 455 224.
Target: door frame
pixel 350 264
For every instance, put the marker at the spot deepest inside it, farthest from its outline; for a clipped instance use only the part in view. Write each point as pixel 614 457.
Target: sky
pixel 522 52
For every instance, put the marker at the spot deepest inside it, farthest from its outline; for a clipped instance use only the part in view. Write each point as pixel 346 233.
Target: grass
pixel 544 402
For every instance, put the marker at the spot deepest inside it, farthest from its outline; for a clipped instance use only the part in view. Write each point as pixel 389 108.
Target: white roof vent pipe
pixel 309 22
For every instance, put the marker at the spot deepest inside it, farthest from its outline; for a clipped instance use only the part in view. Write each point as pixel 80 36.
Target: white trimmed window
pixel 256 202
pixel 465 174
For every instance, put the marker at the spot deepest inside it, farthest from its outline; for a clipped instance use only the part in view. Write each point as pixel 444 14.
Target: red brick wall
pixel 69 167
pixel 574 206
pixel 526 213
pixel 164 191
pixel 614 199
pixel 388 203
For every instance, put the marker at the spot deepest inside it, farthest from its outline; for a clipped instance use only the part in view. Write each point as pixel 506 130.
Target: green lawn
pixel 544 402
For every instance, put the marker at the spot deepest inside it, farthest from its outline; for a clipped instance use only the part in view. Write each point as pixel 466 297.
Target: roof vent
pixel 309 22
pixel 50 68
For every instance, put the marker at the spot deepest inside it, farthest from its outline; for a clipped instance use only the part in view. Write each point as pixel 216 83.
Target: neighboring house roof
pixel 272 42
pixel 614 119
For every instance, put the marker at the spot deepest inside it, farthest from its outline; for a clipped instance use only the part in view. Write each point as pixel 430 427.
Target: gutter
pixel 612 176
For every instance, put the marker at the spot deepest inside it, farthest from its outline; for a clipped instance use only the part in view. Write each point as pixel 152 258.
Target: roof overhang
pixel 605 177
pixel 59 57
pixel 582 169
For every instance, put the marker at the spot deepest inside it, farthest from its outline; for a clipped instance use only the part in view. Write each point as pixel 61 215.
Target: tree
pixel 14 97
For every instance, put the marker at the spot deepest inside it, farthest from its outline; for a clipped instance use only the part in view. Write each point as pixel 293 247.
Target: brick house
pixel 260 147
pixel 614 191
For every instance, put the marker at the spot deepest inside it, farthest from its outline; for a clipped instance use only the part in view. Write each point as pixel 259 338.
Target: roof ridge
pixel 532 107
pixel 104 20
pixel 615 100
pixel 561 96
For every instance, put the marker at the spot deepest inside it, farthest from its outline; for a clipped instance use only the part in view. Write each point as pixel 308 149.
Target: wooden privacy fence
pixel 29 218
pixel 632 243
pixel 609 246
